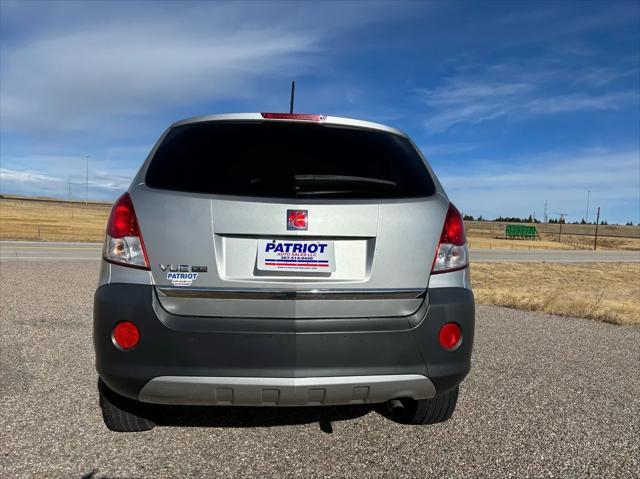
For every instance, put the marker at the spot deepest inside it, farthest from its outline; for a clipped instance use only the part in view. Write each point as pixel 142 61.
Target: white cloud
pixel 512 91
pixel 577 102
pixel 99 179
pixel 77 79
pixel 597 77
pixel 116 64
pixel 519 188
pixel 29 176
pixel 447 149
pixel 7 175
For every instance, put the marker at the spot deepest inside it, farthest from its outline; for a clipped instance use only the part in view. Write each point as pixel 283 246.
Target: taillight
pixel 123 244
pixel 452 253
pixel 293 116
pixel 125 335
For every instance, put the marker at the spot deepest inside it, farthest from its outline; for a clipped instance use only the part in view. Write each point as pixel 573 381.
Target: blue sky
pixel 513 103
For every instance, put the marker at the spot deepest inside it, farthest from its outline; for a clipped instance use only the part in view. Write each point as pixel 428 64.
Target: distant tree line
pixel 531 219
pixel 507 219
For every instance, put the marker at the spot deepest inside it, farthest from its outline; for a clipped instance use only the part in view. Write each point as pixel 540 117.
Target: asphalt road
pixel 552 256
pixel 548 396
pixel 49 251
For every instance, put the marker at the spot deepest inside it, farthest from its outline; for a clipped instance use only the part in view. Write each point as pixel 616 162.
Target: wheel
pixel 423 411
pixel 122 414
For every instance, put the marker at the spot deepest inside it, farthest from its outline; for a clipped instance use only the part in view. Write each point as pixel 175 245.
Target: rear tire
pixel 425 411
pixel 122 414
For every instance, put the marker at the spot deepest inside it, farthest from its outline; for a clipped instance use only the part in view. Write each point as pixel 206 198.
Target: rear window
pixel 288 160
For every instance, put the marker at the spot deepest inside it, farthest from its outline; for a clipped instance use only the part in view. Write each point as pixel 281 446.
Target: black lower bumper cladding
pixel 172 345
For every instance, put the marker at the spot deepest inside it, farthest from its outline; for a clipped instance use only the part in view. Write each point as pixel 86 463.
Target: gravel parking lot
pixel 548 396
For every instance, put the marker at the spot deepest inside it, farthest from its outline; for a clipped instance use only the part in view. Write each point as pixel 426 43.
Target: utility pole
pixel 595 240
pixel 70 199
pixel 562 215
pixel 86 184
pixel 546 218
pixel 69 189
pixel 586 217
pixel 293 92
pixel 86 198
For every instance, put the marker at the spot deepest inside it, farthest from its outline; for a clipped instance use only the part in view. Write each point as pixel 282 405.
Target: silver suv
pixel 283 260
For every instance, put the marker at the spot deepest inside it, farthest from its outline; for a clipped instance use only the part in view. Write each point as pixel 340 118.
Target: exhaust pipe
pixel 395 406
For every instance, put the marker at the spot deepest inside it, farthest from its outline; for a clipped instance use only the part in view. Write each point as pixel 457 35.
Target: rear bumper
pixel 242 361
pixel 284 391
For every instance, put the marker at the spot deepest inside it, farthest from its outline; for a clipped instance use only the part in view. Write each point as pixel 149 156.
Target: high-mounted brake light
pixel 123 243
pixel 452 253
pixel 293 116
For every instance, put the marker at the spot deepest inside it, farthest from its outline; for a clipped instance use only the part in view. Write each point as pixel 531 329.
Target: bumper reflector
pixel 126 335
pixel 450 336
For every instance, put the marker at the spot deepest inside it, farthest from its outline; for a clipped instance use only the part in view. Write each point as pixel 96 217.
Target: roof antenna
pixel 293 91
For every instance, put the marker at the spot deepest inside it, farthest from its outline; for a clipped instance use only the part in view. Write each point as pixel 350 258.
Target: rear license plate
pixel 296 255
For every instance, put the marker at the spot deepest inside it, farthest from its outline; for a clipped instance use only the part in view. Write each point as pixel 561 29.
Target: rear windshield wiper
pixel 344 180
pixel 326 192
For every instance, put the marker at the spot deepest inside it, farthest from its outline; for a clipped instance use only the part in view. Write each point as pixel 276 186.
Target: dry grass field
pixel 22 219
pixel 491 228
pixel 607 292
pixel 52 220
pixel 482 242
pixel 485 234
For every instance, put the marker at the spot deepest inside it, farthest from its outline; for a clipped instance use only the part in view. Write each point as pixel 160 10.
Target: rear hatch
pixel 285 219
